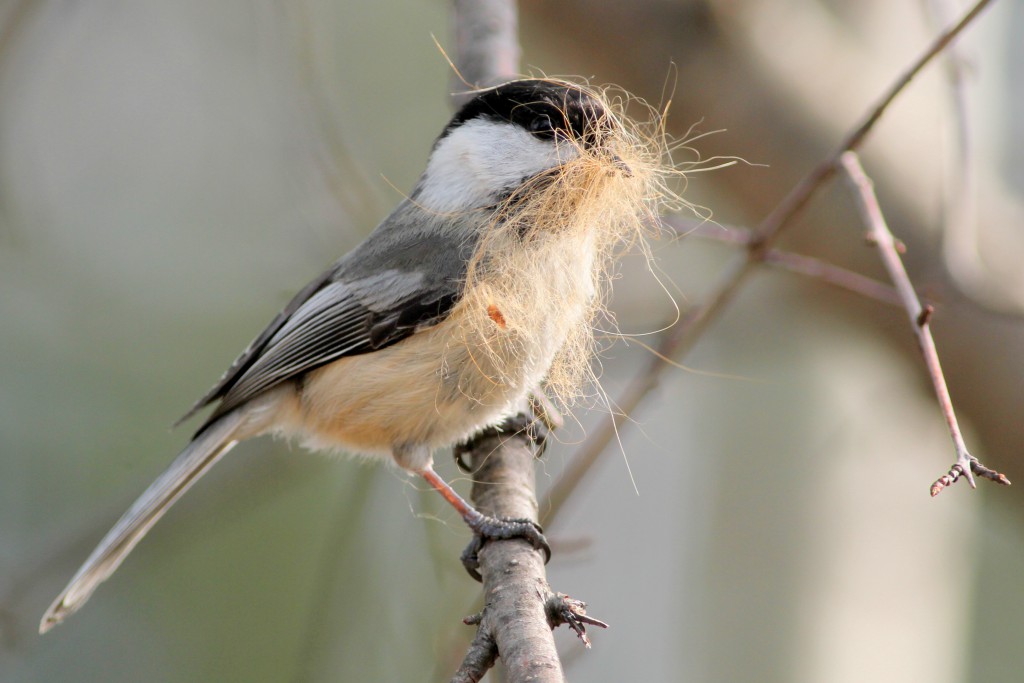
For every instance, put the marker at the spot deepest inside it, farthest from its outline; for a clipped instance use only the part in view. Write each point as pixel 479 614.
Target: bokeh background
pixel 170 173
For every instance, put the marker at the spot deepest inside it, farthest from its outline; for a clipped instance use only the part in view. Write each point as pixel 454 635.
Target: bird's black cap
pixel 544 108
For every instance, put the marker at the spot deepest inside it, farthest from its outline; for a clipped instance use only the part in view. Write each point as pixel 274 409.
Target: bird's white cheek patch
pixel 482 159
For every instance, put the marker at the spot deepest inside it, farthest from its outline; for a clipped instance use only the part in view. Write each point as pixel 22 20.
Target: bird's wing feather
pixel 337 322
pixel 366 302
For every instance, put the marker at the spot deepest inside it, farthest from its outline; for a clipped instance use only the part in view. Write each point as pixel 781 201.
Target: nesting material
pixel 540 275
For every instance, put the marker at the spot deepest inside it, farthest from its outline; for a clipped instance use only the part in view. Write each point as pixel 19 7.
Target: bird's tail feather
pixel 193 462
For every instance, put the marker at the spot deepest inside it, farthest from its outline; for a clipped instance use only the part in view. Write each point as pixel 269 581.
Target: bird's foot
pixel 529 425
pixel 498 529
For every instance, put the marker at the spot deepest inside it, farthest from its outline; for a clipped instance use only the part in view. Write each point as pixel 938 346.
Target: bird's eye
pixel 541 126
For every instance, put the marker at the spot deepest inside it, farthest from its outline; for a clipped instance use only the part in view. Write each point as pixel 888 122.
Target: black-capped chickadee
pixel 479 287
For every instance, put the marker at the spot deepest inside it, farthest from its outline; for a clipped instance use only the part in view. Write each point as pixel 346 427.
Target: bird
pixel 479 288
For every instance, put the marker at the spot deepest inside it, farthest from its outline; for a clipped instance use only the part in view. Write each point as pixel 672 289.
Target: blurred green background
pixel 170 173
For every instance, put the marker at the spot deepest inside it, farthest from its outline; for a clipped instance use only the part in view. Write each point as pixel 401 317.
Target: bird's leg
pixel 484 527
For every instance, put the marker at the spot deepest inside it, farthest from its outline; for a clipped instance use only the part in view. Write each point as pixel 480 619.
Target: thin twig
pixel 880 236
pixel 691 328
pixel 563 609
pixel 479 657
pixel 807 266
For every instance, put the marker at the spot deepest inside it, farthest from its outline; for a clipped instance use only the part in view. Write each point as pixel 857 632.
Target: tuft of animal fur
pixel 541 270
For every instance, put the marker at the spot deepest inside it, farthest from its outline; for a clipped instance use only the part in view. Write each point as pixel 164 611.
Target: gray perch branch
pixel 520 609
pixel 486 45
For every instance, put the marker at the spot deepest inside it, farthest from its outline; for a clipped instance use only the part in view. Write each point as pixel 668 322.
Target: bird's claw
pixel 499 528
pixel 534 428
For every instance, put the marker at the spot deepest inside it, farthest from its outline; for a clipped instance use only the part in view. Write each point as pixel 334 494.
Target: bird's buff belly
pixel 430 390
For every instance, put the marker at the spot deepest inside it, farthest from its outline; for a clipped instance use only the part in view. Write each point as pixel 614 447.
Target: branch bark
pixel 807 266
pixel 486 44
pixel 520 609
pixel 881 237
pixel 514 622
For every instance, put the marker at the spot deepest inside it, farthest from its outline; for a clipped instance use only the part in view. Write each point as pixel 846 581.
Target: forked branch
pixel 881 237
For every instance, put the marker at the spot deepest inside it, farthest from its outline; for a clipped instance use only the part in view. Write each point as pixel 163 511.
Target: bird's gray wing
pixel 335 322
pixel 369 300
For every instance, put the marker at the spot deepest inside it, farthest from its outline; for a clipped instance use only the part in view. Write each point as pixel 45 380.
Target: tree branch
pixel 480 656
pixel 486 44
pixel 684 336
pixel 520 609
pixel 807 266
pixel 880 236
pixel 515 587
